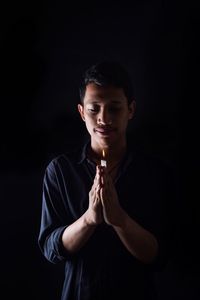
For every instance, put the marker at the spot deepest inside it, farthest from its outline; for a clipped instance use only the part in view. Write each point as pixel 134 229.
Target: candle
pixel 103 161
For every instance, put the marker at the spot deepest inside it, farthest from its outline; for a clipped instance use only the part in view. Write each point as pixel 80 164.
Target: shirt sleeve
pixel 53 218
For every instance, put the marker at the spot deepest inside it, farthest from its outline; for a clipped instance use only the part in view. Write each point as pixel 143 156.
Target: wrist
pixel 122 220
pixel 88 220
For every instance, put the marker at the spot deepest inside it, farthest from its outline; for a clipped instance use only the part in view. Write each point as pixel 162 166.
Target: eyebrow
pixel 96 101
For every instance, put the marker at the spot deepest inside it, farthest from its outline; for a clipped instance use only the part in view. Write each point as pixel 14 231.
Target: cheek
pixel 123 123
pixel 90 123
pixel 91 119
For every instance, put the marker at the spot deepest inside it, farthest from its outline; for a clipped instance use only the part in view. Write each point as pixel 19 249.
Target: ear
pixel 132 109
pixel 81 111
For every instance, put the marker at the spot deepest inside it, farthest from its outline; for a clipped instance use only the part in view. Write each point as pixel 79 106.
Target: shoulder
pixel 161 172
pixel 69 158
pixel 152 165
pixel 143 157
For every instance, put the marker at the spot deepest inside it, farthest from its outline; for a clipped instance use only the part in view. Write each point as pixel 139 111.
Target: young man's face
pixel 106 113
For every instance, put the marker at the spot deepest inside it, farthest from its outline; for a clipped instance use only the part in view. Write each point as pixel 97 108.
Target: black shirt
pixel 103 268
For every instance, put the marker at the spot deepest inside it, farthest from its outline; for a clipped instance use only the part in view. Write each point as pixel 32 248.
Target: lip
pixel 104 131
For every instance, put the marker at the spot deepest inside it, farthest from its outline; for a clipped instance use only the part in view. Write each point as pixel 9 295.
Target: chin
pixel 107 142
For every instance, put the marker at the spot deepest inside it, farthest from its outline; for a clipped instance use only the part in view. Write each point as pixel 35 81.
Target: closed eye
pixel 114 108
pixel 93 110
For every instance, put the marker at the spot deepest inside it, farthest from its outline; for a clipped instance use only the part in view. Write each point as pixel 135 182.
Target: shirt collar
pixel 128 158
pixel 83 152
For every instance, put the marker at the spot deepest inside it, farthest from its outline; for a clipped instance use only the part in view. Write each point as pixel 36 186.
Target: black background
pixel 45 47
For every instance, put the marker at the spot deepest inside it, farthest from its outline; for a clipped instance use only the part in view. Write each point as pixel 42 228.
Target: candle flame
pixel 103 153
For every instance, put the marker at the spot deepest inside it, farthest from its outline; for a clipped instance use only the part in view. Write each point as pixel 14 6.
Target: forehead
pixel 96 93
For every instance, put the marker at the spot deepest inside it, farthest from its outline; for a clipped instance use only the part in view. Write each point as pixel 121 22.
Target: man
pixel 108 224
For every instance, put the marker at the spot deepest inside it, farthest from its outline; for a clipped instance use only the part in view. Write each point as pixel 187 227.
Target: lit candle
pixel 103 161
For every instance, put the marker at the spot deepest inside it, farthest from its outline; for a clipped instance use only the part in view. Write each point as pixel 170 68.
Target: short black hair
pixel 108 73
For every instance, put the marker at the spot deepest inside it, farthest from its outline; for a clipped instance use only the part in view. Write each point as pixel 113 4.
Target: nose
pixel 104 117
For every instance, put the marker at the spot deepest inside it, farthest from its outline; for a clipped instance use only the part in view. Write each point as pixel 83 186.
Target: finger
pixel 105 175
pixel 97 196
pixel 97 189
pixel 98 170
pixel 102 196
pixel 96 179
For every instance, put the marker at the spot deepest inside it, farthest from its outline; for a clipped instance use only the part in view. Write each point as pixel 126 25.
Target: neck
pixel 113 153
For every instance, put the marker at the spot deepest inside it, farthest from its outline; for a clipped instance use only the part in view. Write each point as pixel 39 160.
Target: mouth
pixel 104 131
